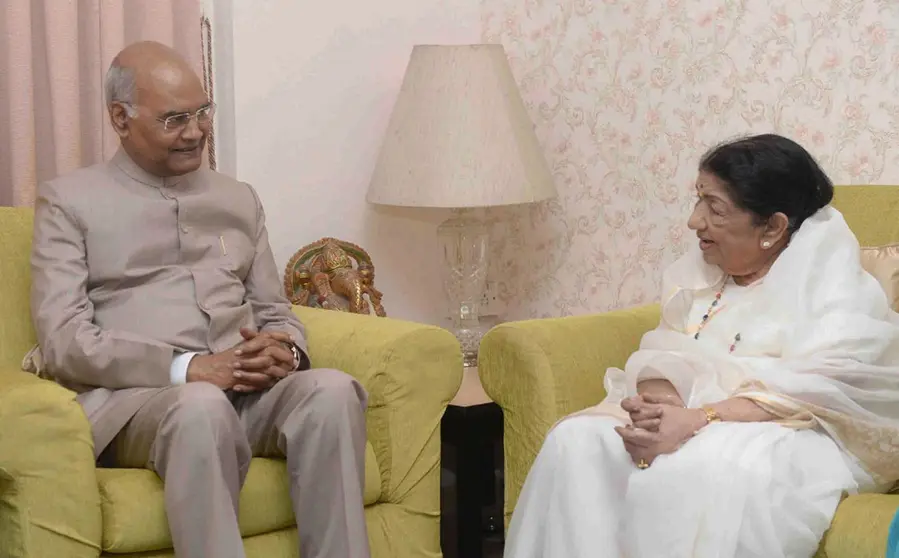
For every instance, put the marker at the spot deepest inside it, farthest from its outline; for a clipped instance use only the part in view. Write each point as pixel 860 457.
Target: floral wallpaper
pixel 627 94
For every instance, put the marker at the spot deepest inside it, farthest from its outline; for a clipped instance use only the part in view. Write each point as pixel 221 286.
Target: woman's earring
pixel 766 244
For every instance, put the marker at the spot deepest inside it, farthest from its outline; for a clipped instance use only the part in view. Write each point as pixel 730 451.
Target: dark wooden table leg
pixel 473 431
pixel 469 496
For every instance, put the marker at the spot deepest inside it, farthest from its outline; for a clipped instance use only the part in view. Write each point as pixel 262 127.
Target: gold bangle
pixel 711 415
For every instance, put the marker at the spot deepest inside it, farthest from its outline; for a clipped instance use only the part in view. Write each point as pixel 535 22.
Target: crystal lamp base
pixel 463 238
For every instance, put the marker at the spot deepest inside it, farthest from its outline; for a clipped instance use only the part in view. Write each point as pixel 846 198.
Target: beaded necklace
pixel 711 312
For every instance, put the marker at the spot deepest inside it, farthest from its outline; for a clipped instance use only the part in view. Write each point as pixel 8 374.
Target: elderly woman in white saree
pixel 769 389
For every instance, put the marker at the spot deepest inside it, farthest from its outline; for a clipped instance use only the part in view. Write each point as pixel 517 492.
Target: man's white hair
pixel 120 85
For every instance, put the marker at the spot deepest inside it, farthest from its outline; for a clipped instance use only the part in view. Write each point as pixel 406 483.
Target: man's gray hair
pixel 119 85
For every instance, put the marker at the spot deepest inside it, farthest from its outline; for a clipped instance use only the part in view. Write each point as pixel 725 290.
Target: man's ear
pixel 776 229
pixel 118 116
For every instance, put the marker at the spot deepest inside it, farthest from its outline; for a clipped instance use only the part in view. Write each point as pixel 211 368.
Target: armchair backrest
pixel 872 212
pixel 16 329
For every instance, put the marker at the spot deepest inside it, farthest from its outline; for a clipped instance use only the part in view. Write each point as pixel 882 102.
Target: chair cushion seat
pixel 133 510
pixel 860 527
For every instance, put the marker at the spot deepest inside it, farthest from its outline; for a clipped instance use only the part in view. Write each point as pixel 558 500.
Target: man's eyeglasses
pixel 177 122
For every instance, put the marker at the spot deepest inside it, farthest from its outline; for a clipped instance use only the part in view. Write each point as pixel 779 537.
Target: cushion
pixel 883 263
pixel 16 330
pixel 860 527
pixel 134 517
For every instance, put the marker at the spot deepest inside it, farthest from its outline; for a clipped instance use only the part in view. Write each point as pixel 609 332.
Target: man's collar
pixel 127 165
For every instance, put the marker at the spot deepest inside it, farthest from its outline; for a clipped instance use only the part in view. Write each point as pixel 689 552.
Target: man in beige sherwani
pixel 156 297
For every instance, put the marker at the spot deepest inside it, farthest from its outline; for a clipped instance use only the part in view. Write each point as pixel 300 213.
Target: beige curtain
pixel 53 58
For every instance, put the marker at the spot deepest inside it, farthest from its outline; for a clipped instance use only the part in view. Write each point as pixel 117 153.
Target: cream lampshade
pixel 459 137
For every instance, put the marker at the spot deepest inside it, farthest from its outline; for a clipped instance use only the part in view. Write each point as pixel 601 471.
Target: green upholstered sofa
pixel 54 502
pixel 541 370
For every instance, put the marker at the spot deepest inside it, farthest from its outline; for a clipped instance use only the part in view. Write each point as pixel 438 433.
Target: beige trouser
pixel 200 440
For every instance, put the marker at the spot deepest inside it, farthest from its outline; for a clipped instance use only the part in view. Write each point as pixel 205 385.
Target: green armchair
pixel 54 501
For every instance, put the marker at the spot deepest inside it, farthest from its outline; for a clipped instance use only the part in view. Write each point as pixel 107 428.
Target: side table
pixel 472 424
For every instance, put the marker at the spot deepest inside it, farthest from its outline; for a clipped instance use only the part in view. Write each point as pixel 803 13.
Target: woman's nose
pixel 695 222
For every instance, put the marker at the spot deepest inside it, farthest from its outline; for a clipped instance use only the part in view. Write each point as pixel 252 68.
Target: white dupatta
pixel 819 345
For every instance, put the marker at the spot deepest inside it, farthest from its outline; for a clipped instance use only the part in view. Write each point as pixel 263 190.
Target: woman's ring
pixel 642 464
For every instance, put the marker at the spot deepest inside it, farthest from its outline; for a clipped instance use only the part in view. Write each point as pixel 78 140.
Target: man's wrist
pixel 178 372
pixel 294 352
pixel 297 356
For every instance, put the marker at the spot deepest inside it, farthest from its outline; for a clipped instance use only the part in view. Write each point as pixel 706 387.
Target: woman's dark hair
pixel 768 174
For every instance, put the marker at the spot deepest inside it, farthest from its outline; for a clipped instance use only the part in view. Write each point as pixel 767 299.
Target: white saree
pixel 815 344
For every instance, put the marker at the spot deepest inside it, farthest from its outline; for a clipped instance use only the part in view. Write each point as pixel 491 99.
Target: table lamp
pixel 459 137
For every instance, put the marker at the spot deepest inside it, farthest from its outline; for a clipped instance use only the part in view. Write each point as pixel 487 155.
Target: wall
pixel 627 94
pixel 313 87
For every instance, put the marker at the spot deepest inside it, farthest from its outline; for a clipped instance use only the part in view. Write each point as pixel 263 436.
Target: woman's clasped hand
pixel 658 426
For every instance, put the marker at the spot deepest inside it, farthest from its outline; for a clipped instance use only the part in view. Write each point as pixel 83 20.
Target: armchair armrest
pixel 539 371
pixel 49 500
pixel 411 372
